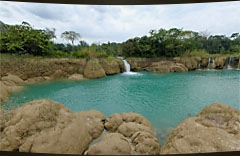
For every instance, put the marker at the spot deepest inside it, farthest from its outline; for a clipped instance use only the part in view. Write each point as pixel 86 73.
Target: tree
pixel 70 36
pixel 23 39
pixel 51 32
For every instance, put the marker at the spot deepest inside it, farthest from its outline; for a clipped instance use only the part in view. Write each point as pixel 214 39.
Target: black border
pixel 121 2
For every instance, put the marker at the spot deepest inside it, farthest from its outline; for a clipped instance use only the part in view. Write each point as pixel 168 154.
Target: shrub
pixel 23 39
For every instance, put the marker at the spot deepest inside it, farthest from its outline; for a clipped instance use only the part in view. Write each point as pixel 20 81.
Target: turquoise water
pixel 164 99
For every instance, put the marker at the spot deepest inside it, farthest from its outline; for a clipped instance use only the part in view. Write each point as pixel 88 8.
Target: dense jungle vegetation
pixel 24 39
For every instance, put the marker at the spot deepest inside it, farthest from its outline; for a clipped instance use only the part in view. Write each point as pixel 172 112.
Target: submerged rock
pixel 215 129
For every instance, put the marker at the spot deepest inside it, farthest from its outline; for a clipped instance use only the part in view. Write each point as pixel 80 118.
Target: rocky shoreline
pixel 44 126
pixel 18 72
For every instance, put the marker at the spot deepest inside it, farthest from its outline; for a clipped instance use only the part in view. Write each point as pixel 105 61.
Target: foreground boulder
pixel 215 129
pixel 135 129
pixel 111 144
pixel 44 126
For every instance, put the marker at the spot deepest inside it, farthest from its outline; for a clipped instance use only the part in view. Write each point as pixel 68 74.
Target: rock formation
pixel 215 129
pixel 44 126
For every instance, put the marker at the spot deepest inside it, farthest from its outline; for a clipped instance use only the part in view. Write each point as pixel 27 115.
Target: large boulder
pixel 44 126
pixel 3 92
pixel 76 77
pixel 220 62
pixel 129 128
pixel 94 69
pixel 94 121
pixel 13 78
pixel 190 62
pixel 111 144
pixel 115 120
pixel 145 143
pixel 204 62
pixel 215 129
pixel 110 66
pixel 178 67
pixel 121 65
pixel 161 67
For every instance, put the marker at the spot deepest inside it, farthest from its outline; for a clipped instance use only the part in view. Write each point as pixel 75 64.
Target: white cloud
pixel 118 23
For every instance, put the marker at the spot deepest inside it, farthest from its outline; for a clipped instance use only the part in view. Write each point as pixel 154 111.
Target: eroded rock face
pixel 220 62
pixel 145 143
pixel 44 126
pixel 94 120
pixel 12 78
pixel 111 144
pixel 94 69
pixel 137 130
pixel 190 62
pixel 76 77
pixel 215 129
pixel 110 66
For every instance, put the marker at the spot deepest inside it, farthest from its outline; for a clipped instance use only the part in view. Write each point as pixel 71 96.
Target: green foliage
pixel 176 42
pixel 196 53
pixel 71 36
pixel 58 54
pixel 80 54
pixel 23 39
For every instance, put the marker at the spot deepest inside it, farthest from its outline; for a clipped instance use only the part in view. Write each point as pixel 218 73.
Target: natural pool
pixel 164 99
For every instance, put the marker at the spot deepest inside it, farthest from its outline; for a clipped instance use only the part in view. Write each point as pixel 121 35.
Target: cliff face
pixel 182 64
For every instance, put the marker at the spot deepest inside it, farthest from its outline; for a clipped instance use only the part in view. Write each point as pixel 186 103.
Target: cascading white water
pixel 127 66
pixel 213 63
pixel 230 62
pixel 199 65
pixel 209 62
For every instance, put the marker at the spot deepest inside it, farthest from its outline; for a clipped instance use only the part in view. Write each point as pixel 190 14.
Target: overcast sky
pixel 119 23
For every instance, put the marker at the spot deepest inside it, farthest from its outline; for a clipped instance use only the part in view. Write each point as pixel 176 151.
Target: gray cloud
pixel 118 23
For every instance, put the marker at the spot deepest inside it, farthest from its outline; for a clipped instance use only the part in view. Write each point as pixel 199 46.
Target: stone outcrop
pixel 216 128
pixel 135 129
pixel 93 69
pixel 76 77
pixel 220 62
pixel 110 66
pixel 156 65
pixel 44 126
pixel 9 84
pixel 190 62
pixel 111 144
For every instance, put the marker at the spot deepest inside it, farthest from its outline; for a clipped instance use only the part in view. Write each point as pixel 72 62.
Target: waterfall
pixel 127 66
pixel 213 63
pixel 209 62
pixel 230 62
pixel 199 65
